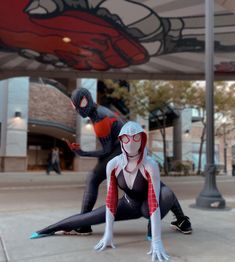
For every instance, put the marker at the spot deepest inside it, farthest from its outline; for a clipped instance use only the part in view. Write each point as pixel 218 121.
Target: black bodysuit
pixel 132 205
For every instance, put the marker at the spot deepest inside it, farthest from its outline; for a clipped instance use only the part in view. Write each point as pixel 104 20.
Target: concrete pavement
pixel 213 237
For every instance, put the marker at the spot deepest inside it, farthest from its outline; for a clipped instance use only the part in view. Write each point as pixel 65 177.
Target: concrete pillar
pixel 182 145
pixel 14 96
pixel 71 85
pixel 144 122
pixel 85 135
pixel 186 134
pixel 177 138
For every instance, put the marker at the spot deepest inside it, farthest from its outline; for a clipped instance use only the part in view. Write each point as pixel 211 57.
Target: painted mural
pixel 103 34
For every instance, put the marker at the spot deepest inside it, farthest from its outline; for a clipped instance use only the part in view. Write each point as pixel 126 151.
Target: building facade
pixel 36 116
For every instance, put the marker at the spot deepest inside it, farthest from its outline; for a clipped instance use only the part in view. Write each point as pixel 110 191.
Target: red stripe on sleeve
pixel 152 200
pixel 112 196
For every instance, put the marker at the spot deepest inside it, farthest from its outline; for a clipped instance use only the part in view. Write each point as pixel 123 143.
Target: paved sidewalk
pixel 39 178
pixel 212 240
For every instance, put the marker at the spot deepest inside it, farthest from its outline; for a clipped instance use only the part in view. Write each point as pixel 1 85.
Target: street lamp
pixel 210 196
pixel 225 149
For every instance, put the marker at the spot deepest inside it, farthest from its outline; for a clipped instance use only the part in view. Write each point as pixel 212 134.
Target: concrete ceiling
pixel 161 39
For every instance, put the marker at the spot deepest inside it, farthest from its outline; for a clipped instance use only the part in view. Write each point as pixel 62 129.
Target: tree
pixel 224 101
pixel 145 96
pixel 225 106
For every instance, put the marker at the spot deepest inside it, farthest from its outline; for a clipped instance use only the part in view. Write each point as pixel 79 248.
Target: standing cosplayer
pixel 107 127
pixel 138 176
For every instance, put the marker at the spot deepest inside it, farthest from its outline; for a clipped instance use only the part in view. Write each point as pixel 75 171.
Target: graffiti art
pixel 102 35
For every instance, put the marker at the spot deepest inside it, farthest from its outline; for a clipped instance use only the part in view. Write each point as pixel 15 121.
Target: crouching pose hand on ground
pixel 144 195
pixel 138 175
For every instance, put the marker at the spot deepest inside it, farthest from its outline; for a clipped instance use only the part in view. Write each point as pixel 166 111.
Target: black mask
pixel 83 102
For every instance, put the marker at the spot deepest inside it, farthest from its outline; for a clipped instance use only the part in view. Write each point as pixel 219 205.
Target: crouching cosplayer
pixel 138 176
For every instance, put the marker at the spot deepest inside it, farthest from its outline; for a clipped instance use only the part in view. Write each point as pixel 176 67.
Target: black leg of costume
pixel 92 186
pixel 168 201
pixel 94 217
pixel 97 176
pixel 127 209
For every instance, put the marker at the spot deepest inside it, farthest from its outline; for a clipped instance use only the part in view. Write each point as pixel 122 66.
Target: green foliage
pixel 182 166
pixel 146 95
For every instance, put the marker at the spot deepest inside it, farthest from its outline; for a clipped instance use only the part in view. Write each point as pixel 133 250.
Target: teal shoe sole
pixel 36 235
pixel 149 238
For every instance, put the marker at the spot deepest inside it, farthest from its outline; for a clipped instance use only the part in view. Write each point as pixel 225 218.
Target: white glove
pixel 106 241
pixel 158 251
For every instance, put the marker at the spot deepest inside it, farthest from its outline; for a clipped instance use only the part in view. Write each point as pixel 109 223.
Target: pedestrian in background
pixel 54 161
pixel 233 166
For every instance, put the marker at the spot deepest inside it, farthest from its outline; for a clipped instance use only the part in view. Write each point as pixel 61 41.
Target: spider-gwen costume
pixel 138 176
pixel 107 127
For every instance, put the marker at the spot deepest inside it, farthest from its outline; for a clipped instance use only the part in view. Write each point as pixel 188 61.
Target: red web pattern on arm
pixel 152 200
pixel 112 196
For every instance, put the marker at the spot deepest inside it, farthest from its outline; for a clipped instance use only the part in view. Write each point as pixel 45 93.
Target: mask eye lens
pixel 125 139
pixel 137 137
pixel 83 102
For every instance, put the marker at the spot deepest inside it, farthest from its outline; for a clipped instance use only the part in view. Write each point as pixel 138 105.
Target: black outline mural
pixel 102 34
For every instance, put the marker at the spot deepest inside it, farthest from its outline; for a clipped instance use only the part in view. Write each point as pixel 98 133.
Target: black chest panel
pixel 139 190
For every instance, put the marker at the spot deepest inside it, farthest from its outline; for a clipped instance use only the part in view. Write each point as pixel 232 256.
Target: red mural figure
pixel 90 43
pixel 102 34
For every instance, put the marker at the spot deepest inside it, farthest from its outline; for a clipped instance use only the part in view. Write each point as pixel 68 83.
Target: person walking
pixel 54 161
pixel 233 166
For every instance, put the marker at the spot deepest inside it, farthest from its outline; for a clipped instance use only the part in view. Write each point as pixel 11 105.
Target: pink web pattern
pixel 152 201
pixel 112 196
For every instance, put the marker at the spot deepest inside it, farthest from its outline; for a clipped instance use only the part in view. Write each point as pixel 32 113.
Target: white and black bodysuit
pixel 138 199
pixel 138 176
pixel 130 206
